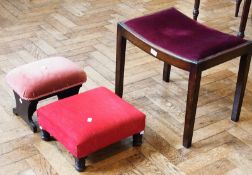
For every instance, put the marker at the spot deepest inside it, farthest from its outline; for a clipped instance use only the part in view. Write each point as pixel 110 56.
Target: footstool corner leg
pixel 45 135
pixel 14 110
pixel 25 109
pixel 80 164
pixel 33 126
pixel 137 139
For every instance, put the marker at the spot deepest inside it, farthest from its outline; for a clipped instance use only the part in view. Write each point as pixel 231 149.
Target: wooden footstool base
pixel 26 108
pixel 42 79
pixel 89 121
pixel 80 163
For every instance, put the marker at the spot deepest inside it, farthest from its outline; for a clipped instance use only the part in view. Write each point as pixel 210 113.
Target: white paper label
pixel 89 120
pixel 153 52
pixel 20 100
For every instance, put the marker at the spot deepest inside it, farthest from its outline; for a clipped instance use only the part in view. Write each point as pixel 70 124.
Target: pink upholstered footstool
pixel 89 121
pixel 42 79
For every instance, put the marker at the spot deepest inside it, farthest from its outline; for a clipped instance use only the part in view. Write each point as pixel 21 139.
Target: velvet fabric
pixel 44 77
pixel 89 121
pixel 177 33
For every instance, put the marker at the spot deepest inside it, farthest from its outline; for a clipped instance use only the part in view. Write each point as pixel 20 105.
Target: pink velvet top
pixel 44 77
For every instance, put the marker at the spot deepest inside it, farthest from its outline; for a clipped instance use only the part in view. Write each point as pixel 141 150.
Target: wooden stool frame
pixel 80 163
pixel 26 108
pixel 195 69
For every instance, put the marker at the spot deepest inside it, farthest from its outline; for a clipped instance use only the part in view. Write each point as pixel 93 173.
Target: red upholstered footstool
pixel 89 121
pixel 42 79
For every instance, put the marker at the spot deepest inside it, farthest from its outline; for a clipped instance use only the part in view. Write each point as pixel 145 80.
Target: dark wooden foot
pixel 240 86
pixel 69 92
pixel 25 109
pixel 196 9
pixel 33 127
pixel 191 106
pixel 14 110
pixel 120 61
pixel 166 72
pixel 80 164
pixel 237 7
pixel 45 135
pixel 137 139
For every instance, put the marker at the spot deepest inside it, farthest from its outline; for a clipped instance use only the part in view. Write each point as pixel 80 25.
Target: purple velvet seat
pixel 173 31
pixel 179 41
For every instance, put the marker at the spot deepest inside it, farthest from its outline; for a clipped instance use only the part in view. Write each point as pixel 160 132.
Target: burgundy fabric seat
pixel 173 31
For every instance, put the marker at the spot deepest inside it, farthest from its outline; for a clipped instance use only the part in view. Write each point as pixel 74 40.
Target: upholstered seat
pixel 42 79
pixel 89 121
pixel 47 76
pixel 174 32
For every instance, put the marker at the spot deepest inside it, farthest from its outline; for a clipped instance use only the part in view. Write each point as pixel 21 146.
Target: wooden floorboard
pixel 85 32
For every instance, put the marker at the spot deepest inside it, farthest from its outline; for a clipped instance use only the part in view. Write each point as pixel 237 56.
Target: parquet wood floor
pixel 84 31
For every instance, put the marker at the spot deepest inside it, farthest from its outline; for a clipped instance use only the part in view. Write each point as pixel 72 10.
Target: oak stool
pixel 177 40
pixel 43 79
pixel 89 121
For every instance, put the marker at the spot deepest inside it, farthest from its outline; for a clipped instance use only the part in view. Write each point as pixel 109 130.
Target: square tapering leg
pixel 191 106
pixel 120 62
pixel 166 72
pixel 240 86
